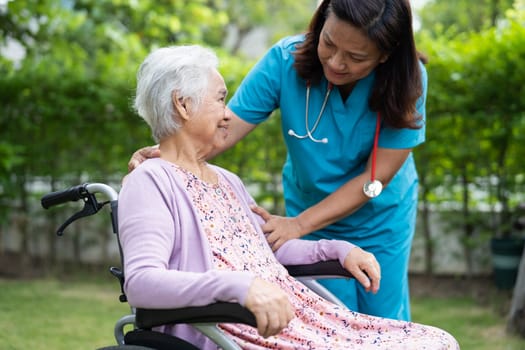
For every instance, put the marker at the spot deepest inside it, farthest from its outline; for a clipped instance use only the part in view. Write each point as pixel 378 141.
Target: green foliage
pixel 71 92
pixel 278 17
pixel 163 22
pixel 463 15
pixel 476 116
pixel 66 115
pixel 66 106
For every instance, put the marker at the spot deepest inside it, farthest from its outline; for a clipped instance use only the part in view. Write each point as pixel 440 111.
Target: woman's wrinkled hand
pixel 364 267
pixel 141 155
pixel 271 307
pixel 278 229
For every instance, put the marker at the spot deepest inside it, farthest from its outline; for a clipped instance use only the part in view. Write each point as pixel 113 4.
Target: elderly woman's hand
pixel 364 267
pixel 141 155
pixel 271 307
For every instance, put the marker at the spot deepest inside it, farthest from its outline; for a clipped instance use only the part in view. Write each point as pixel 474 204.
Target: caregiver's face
pixel 345 52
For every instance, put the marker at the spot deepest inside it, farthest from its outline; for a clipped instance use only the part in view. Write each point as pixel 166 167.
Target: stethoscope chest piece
pixel 372 189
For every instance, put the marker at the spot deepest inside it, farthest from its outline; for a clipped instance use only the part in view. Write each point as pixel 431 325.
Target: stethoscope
pixel 371 188
pixel 307 124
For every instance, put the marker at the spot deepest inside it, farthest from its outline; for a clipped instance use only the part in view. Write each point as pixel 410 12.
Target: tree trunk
pixel 468 228
pixel 494 13
pixel 52 237
pixel 516 318
pixel 22 222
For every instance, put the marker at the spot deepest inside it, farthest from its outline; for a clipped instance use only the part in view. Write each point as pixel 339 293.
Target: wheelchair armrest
pixel 323 269
pixel 220 312
pixel 224 312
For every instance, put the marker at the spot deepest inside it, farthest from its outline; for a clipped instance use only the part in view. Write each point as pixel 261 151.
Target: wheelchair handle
pixel 71 194
pixel 86 192
pixel 77 192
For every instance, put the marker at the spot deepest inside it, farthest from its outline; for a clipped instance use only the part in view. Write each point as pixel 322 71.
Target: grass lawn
pixel 474 326
pixel 58 315
pixel 64 315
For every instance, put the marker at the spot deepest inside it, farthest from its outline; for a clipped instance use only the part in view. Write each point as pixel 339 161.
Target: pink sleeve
pixel 301 251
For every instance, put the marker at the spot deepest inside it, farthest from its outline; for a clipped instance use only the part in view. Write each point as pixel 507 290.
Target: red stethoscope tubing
pixel 373 187
pixel 374 149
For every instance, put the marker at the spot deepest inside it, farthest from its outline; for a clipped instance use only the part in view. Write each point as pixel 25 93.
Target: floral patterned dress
pixel 318 324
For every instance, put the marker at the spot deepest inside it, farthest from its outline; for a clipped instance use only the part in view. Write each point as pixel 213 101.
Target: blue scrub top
pixel 314 170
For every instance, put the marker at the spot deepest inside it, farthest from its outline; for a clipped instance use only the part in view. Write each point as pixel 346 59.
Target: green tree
pixel 476 104
pixel 66 114
pixel 458 16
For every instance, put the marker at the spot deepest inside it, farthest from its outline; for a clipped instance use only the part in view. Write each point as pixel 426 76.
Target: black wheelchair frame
pixel 203 318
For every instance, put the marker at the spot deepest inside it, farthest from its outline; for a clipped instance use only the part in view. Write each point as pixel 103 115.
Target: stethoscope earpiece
pixel 292 133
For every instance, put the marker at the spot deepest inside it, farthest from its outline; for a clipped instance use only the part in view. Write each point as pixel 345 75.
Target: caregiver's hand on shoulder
pixel 141 155
pixel 278 229
pixel 270 305
pixel 364 267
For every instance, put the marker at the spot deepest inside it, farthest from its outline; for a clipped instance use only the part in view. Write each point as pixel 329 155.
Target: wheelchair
pixel 203 318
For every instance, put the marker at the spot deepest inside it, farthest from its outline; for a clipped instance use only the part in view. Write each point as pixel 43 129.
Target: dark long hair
pixel 388 23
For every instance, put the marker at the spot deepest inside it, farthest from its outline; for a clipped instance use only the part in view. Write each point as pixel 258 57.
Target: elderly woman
pixel 189 236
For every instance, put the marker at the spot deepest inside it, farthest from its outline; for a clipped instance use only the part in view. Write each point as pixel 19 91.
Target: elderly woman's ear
pixel 181 105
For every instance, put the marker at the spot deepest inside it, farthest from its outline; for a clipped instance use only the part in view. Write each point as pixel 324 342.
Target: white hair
pixel 183 70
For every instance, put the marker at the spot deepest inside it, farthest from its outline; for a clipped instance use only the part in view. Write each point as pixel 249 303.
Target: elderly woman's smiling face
pixel 209 121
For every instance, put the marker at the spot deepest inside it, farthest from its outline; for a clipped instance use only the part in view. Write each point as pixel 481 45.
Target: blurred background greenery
pixel 67 74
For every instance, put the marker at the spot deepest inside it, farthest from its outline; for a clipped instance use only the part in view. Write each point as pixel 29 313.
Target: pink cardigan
pixel 167 260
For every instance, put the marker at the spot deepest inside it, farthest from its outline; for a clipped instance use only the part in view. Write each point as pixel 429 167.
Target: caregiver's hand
pixel 141 155
pixel 364 267
pixel 278 229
